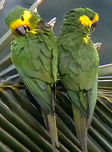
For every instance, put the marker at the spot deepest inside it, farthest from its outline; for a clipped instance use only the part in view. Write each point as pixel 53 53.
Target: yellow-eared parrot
pixel 78 66
pixel 34 54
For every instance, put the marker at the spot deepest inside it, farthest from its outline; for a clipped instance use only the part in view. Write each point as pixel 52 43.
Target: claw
pixel 97 45
pixel 52 22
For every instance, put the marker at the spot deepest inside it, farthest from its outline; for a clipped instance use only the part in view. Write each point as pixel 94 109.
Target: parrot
pixel 35 56
pixel 78 67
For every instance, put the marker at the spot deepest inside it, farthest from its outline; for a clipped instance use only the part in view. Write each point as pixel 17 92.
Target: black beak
pixel 21 30
pixel 94 25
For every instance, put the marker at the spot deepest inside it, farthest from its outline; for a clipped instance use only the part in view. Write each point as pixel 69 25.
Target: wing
pixel 51 42
pixel 78 65
pixel 34 56
pixel 33 60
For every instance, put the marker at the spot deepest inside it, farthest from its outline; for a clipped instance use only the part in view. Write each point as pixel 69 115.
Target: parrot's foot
pixel 97 45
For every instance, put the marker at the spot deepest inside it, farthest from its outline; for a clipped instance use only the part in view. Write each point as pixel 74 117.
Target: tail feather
pixel 53 131
pixel 81 127
pixel 45 99
pixel 75 98
pixel 91 96
pixel 80 116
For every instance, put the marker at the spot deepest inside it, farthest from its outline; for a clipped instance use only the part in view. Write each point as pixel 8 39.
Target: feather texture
pixel 33 61
pixel 78 68
pixel 35 57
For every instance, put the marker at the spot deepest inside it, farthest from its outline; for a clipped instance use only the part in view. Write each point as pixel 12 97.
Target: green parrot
pixel 78 67
pixel 34 53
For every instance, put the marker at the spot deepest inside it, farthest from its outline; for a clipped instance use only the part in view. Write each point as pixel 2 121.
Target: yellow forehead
pixel 26 15
pixel 86 21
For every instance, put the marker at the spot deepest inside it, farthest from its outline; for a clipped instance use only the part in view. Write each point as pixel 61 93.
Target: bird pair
pixel 38 56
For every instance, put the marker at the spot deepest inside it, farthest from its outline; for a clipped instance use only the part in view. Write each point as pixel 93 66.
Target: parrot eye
pixel 91 18
pixel 22 18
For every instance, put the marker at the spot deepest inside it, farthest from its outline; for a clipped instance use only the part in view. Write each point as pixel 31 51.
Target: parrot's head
pixel 21 20
pixel 82 20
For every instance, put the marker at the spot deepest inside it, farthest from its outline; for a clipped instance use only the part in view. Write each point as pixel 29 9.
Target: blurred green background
pixel 58 8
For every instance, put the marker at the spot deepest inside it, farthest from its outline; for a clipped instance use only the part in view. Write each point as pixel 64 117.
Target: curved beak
pixel 94 25
pixel 21 30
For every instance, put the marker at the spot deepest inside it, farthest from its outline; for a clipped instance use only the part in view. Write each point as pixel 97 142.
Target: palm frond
pixel 21 123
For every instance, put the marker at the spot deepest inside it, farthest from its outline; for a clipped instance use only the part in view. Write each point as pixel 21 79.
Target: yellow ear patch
pixel 26 16
pixel 16 24
pixel 86 21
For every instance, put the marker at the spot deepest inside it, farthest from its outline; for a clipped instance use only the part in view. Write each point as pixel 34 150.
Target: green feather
pixel 78 68
pixel 17 12
pixel 35 58
pixel 14 14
